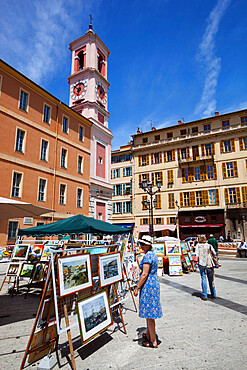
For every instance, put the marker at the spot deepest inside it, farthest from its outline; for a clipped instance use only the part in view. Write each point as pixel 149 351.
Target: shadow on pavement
pixel 220 301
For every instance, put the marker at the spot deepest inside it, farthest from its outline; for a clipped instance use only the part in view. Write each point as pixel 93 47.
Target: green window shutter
pixel 131 187
pixel 114 189
pixel 120 208
pixel 123 207
pixel 124 171
pixel 113 207
pixel 131 206
pixel 123 189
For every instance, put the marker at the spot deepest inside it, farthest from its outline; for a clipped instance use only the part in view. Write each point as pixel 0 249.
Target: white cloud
pixel 211 64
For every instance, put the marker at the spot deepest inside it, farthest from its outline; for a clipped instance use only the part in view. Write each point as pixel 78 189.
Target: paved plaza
pixel 192 334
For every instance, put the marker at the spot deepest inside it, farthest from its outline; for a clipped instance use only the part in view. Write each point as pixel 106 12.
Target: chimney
pixel 153 128
pixel 138 131
pixel 179 122
pixel 216 113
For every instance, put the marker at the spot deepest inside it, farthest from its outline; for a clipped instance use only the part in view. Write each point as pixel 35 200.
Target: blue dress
pixel 149 299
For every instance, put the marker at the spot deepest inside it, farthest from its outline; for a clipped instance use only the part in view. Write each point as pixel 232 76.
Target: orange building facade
pixel 44 153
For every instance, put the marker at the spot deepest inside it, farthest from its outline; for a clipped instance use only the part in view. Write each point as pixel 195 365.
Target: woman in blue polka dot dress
pixel 149 287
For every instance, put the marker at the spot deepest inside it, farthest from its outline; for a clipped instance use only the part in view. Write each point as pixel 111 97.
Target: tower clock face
pixel 78 89
pixel 101 92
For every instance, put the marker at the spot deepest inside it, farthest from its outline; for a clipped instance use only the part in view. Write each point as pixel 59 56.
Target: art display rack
pixel 64 307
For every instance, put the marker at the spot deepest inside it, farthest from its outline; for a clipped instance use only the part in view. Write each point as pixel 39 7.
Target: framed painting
pixel 21 251
pixel 175 270
pixel 158 248
pixel 46 254
pixel 74 273
pixel 187 260
pixel 160 260
pixel 173 248
pixel 174 261
pixel 35 253
pixel 27 270
pixel 133 271
pixel 123 249
pixel 13 269
pixel 109 268
pixel 38 272
pixel 94 315
pixel 183 247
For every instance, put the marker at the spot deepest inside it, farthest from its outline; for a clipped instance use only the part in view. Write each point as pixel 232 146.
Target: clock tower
pixel 89 97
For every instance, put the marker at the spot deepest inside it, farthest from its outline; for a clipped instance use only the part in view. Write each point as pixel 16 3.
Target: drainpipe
pixel 55 163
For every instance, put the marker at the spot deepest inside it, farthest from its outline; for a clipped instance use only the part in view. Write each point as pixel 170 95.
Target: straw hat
pixel 146 239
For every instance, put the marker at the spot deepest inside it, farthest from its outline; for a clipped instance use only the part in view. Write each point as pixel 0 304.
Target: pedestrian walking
pixel 149 297
pixel 212 241
pixel 242 246
pixel 206 266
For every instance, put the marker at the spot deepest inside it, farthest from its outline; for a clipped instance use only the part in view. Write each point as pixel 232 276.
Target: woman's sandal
pixel 144 336
pixel 148 344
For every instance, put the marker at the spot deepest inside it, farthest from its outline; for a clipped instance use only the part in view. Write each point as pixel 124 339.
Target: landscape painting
pixel 46 253
pixel 174 260
pixel 173 248
pixel 13 269
pixel 187 260
pixel 35 253
pixel 158 248
pixel 109 268
pixel 175 270
pixel 21 251
pixel 74 273
pixel 94 315
pixel 27 270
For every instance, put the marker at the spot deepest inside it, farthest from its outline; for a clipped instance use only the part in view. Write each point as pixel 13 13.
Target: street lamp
pixel 148 188
pixel 177 205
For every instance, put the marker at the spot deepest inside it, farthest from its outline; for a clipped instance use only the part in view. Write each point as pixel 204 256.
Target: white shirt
pixel 242 246
pixel 203 252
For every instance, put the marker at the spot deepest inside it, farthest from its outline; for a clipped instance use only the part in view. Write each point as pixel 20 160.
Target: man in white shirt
pixel 242 246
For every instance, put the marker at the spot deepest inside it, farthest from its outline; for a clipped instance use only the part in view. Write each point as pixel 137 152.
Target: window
pixel 158 221
pixel 118 172
pixel 12 230
pixel 127 171
pixel 128 207
pixel 172 220
pixel 198 198
pixel 19 145
pixel 16 185
pixel 186 200
pixel 144 160
pixel 43 153
pixel 170 176
pixel 208 149
pixel 210 172
pixel 128 189
pixel 225 125
pixel 243 143
pixel 23 101
pixel 169 135
pixel 119 189
pixel 119 207
pixel 80 133
pixel 47 112
pixel 41 193
pixel 144 202
pixel 64 158
pixel 80 164
pixel 101 118
pixel 128 157
pixel 194 130
pixel 244 121
pixel 229 169
pixel 65 125
pixel 157 176
pixel 79 198
pixel 232 195
pixel 145 221
pixel 62 194
pixel 183 153
pixel 156 158
pixel 207 128
pixel 227 146
pixel 158 201
pixel 169 156
pixel 171 203
pixel 187 219
pixel 80 57
pixel 100 160
pixel 144 140
pixel 197 174
pixel 183 132
pixel 156 137
pixel 185 175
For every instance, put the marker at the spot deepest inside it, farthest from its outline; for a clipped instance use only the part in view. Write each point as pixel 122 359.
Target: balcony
pixel 240 206
pixel 196 159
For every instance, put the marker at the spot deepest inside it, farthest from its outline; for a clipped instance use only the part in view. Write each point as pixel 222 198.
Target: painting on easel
pixel 109 268
pixel 94 315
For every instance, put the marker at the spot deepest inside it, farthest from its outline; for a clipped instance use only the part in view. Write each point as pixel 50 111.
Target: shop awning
pixel 215 225
pixel 145 228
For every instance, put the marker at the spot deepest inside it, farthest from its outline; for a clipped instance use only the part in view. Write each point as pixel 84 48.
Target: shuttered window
pixel 199 198
pixel 192 201
pixel 170 176
pixel 232 195
pixel 169 156
pixel 185 175
pixel 243 143
pixel 205 200
pixel 156 176
pixel 158 201
pixel 230 169
pixel 144 200
pixel 227 146
pixel 171 203
pixel 186 199
pixel 244 194
pixel 197 175
pixel 159 221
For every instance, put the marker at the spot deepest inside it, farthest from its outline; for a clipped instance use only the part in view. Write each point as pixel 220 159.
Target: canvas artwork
pixel 175 270
pixel 74 273
pixel 173 248
pixel 183 247
pixel 174 261
pixel 27 270
pixel 13 269
pixel 35 253
pixel 109 268
pixel 38 272
pixel 123 249
pixel 46 253
pixel 160 261
pixel 94 315
pixel 21 251
pixel 133 271
pixel 187 260
pixel 158 248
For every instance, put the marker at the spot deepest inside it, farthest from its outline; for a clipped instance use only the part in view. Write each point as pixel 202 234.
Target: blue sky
pixel 170 59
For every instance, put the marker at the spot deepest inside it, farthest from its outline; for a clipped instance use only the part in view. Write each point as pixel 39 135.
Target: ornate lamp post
pixel 150 204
